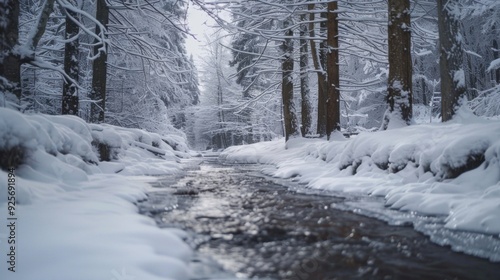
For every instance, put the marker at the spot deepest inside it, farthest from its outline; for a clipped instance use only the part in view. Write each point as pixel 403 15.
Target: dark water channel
pixel 257 229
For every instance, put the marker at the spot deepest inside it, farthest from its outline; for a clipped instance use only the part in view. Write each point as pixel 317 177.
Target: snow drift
pixel 75 188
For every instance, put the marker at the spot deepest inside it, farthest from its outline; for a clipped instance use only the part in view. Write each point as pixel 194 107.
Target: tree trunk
pixel 290 119
pixel 10 64
pixel 99 68
pixel 322 81
pixel 306 107
pixel 71 53
pixel 34 37
pixel 247 119
pixel 222 121
pixel 450 61
pixel 399 91
pixel 220 102
pixel 333 72
pixel 496 55
pixel 321 118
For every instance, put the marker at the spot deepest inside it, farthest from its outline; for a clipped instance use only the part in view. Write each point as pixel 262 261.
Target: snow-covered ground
pixel 74 216
pixel 442 178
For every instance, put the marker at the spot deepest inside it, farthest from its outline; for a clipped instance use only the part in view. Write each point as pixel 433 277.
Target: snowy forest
pixel 307 68
pixel 264 70
pixel 392 105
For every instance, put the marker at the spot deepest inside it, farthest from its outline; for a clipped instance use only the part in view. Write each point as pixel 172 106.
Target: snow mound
pixel 84 146
pixel 76 217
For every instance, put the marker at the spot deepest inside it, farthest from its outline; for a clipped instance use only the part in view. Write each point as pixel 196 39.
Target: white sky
pixel 199 25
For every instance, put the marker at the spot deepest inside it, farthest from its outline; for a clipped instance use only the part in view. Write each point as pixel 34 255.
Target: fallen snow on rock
pixel 450 170
pixel 76 217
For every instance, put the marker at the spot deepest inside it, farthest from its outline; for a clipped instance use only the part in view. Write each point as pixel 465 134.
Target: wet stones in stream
pixel 257 229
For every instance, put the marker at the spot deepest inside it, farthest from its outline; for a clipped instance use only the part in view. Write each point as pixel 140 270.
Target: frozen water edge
pixel 473 243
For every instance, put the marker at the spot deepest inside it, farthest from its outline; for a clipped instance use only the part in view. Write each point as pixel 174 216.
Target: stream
pixel 244 226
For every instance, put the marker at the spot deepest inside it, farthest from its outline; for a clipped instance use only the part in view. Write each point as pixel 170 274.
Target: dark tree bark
pixel 321 118
pixel 220 102
pixel 247 119
pixel 290 118
pixel 10 63
pixel 34 37
pixel 450 61
pixel 306 107
pixel 322 81
pixel 333 72
pixel 99 68
pixel 71 53
pixel 496 55
pixel 399 91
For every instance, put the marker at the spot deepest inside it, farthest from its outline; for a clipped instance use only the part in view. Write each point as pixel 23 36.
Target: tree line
pixel 395 52
pixel 117 61
pixel 337 65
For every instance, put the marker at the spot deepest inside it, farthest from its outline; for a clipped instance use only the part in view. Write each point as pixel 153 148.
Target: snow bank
pixel 449 169
pixel 76 217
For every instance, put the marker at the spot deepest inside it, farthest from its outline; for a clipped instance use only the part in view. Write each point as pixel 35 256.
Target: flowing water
pixel 244 225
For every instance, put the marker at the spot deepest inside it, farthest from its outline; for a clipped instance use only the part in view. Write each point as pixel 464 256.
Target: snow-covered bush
pixel 444 151
pixel 487 103
pixel 51 135
pixel 26 139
